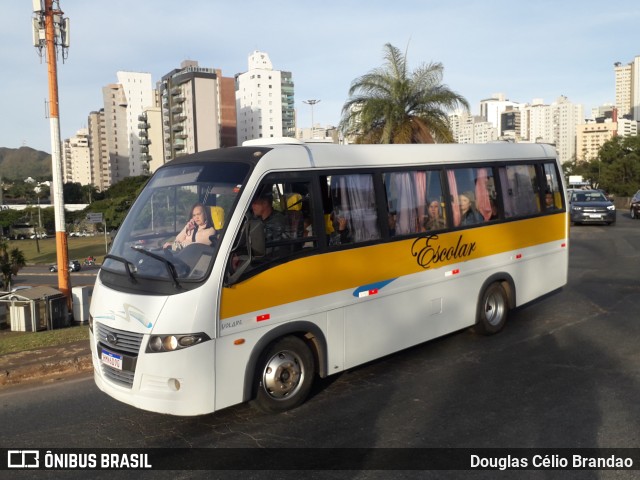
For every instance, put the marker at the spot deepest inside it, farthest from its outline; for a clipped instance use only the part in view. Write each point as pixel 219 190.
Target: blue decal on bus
pixel 371 289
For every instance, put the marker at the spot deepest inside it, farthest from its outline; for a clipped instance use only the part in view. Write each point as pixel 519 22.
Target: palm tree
pixel 392 105
pixel 10 263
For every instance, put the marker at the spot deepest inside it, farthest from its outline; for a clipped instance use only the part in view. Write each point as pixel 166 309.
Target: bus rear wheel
pixel 284 375
pixel 493 310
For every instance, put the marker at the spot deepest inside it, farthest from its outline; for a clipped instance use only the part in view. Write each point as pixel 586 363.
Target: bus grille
pixel 128 343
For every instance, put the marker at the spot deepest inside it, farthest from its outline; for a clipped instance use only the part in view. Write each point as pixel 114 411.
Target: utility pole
pixel 50 32
pixel 311 103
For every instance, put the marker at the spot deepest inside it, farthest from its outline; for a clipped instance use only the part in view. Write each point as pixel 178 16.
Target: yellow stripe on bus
pixel 349 269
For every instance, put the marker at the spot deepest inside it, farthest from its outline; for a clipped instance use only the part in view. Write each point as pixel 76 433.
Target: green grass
pixel 11 342
pixel 79 248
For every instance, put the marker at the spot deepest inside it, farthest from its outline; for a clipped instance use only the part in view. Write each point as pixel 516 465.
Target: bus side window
pixel 553 197
pixel 282 207
pixel 353 217
pixel 519 190
pixel 473 195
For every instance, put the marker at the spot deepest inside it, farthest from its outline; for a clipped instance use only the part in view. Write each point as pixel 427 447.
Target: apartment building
pixel 151 138
pixel 628 89
pixel 98 151
pixel 197 109
pixel 76 159
pixel 566 118
pixel 623 88
pixel 468 128
pixel 590 138
pixel 264 100
pixel 124 102
pixel 491 109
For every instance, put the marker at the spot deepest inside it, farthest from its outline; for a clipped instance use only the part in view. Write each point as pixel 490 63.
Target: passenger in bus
pixel 468 213
pixel 393 220
pixel 495 214
pixel 549 202
pixel 273 221
pixel 199 229
pixel 434 219
pixel 341 234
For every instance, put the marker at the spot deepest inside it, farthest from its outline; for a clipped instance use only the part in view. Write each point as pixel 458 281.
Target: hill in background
pixel 23 162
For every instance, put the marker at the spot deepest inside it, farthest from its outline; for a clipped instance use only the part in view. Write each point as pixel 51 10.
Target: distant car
pixel 634 209
pixel 74 266
pixel 591 206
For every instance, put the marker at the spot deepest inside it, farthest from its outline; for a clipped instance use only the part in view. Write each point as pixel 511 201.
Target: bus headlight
pixel 170 343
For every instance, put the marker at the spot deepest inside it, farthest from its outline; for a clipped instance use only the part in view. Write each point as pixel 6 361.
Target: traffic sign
pixel 94 217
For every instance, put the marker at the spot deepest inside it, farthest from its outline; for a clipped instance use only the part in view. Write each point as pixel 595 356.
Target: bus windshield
pixel 171 234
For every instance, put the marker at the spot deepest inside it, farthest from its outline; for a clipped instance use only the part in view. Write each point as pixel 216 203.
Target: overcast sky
pixel 521 48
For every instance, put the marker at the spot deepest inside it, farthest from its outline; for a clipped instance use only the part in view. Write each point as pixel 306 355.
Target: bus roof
pixel 303 156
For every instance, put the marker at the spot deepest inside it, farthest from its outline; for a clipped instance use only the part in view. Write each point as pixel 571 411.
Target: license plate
pixel 112 359
pixel 595 216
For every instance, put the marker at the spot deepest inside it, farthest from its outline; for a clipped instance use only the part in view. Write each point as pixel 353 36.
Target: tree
pixel 393 105
pixel 116 202
pixel 10 263
pixel 8 218
pixel 619 165
pixel 616 169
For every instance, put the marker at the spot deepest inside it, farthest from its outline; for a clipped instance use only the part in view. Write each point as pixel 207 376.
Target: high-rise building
pixel 635 89
pixel 539 122
pixel 116 165
pixel 76 159
pixel 590 138
pixel 123 103
pixel 628 89
pixel 198 110
pixel 623 88
pixel 99 153
pixel 492 108
pixel 264 100
pixel 467 128
pixel 151 140
pixel 566 117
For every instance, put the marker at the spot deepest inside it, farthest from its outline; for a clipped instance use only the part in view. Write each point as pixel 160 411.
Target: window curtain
pixel 453 189
pixel 421 197
pixel 483 203
pixel 406 210
pixel 358 204
pixel 508 199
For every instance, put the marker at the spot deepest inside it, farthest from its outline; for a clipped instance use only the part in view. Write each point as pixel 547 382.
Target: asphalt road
pixel 40 275
pixel 565 372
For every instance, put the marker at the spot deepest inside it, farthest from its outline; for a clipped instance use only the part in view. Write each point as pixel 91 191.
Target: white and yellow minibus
pixel 312 259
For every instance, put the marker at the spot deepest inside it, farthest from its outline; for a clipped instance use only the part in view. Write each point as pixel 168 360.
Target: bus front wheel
pixel 284 375
pixel 492 310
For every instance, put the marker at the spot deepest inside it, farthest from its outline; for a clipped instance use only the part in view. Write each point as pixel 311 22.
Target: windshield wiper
pixel 126 265
pixel 170 267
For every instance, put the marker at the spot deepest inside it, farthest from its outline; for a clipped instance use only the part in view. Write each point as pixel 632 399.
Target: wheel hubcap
pixel 282 375
pixel 494 309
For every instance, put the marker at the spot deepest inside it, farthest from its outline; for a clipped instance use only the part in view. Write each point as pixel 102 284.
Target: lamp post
pixel 311 103
pixel 37 189
pixel 50 32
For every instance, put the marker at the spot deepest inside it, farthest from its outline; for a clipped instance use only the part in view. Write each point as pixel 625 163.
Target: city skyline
pixel 543 50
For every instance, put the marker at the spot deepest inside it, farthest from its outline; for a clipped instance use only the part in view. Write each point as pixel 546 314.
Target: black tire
pixel 632 213
pixel 493 310
pixel 284 375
